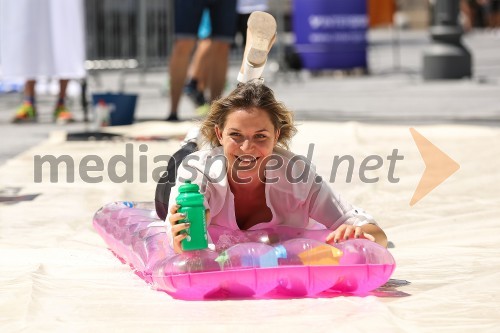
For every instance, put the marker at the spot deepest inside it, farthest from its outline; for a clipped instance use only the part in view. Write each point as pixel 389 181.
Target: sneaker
pixel 26 113
pixel 62 115
pixel 261 35
pixel 172 117
pixel 193 135
pixel 196 96
pixel 203 109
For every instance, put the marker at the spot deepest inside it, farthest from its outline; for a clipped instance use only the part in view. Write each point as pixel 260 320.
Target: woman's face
pixel 247 138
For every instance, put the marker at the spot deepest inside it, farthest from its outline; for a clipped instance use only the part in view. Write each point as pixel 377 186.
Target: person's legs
pixel 179 63
pixel 200 63
pixel 198 72
pixel 466 16
pixel 223 19
pixel 27 111
pixel 61 112
pixel 495 14
pixel 63 86
pixel 479 15
pixel 472 12
pixel 29 90
pixel 242 28
pixel 187 20
pixel 217 73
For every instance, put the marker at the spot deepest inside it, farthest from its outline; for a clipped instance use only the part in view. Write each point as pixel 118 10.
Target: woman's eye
pixel 234 134
pixel 260 136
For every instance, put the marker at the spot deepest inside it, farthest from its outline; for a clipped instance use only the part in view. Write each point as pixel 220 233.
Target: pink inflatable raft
pixel 265 263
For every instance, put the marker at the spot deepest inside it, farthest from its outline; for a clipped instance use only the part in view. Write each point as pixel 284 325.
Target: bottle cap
pixel 188 187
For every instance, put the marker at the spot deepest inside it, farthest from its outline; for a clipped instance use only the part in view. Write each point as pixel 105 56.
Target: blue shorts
pixel 222 18
pixel 205 28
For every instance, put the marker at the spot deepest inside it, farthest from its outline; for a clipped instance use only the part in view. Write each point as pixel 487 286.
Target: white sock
pixel 250 72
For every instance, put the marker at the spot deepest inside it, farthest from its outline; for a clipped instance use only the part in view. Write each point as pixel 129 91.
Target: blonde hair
pixel 253 94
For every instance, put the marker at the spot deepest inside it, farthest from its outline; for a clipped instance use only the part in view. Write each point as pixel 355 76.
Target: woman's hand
pixel 369 231
pixel 346 231
pixel 177 228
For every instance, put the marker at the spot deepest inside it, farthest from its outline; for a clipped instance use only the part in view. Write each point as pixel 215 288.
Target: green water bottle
pixel 191 201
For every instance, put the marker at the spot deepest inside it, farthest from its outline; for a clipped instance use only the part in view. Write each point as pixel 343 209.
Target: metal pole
pixel 142 34
pixel 446 57
pixel 83 100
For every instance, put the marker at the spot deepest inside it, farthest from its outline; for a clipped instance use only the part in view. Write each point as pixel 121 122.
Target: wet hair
pixel 253 94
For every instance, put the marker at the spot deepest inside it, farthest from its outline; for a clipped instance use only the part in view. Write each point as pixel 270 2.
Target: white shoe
pixel 261 35
pixel 193 135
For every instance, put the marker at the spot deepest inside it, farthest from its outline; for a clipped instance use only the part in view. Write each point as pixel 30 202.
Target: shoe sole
pixel 262 28
pixel 29 120
pixel 60 121
pixel 203 110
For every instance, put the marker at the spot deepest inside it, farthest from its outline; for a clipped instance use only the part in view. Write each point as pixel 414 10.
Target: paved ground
pixel 393 93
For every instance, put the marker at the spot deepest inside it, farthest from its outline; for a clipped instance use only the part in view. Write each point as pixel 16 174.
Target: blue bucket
pixel 123 107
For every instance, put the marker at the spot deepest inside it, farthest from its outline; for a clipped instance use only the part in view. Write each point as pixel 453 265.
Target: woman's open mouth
pixel 245 161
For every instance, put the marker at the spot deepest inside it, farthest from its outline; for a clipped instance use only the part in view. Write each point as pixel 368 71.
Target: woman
pixel 250 179
pixel 42 39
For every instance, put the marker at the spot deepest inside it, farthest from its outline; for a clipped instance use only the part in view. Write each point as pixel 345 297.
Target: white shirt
pixel 42 38
pixel 309 204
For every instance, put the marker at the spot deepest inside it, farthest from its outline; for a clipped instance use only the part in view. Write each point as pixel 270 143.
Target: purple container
pixel 331 34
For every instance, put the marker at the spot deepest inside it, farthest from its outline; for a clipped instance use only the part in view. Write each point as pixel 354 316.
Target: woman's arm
pixel 347 221
pixel 192 168
pixel 376 232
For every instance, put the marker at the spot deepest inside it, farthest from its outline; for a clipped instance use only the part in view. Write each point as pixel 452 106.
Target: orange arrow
pixel 438 166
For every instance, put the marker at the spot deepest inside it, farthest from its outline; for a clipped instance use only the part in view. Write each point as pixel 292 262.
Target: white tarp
pixel 56 274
